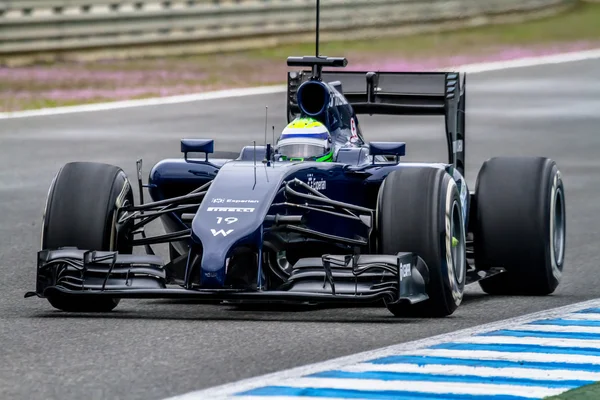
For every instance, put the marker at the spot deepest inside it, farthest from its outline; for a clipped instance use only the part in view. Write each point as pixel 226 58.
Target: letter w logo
pixel 221 232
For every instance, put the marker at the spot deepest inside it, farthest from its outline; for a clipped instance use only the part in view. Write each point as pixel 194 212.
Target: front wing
pixel 70 272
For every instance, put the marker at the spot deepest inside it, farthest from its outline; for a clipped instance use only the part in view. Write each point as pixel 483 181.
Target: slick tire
pixel 80 212
pixel 419 211
pixel 520 225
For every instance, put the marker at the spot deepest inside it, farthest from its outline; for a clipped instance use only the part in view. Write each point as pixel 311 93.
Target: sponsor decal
pixel 221 232
pixel 316 183
pixel 405 271
pixel 234 201
pixel 242 201
pixel 228 220
pixel 230 209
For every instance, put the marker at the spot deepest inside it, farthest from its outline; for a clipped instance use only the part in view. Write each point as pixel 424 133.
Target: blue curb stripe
pixel 547 335
pixel 565 322
pixel 415 376
pixel 519 348
pixel 426 360
pixel 370 394
pixel 595 310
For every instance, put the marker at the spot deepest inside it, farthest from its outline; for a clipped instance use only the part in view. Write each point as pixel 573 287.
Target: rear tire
pixel 81 212
pixel 419 211
pixel 520 225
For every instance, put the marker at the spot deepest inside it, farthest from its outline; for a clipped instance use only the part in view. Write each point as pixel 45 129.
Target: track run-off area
pixel 156 349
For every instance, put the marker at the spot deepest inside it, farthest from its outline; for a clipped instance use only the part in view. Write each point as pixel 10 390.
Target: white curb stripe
pixel 587 317
pixel 531 340
pixel 559 328
pixel 441 369
pixel 508 356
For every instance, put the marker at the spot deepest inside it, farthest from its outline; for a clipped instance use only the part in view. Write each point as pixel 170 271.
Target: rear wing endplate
pixel 399 93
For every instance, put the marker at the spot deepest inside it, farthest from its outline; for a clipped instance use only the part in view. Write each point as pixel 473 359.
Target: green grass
pixel 589 392
pixel 59 84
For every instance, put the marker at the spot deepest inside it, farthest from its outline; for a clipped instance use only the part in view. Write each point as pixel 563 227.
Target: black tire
pixel 412 210
pixel 520 225
pixel 80 212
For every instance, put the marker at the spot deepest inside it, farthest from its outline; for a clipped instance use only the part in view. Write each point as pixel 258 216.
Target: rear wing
pixel 399 93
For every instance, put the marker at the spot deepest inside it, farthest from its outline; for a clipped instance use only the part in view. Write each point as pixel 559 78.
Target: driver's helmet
pixel 304 139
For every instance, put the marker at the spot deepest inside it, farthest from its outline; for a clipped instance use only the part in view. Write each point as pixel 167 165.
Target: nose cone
pixel 232 214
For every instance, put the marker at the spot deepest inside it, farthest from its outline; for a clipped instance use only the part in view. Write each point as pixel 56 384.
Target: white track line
pixel 531 61
pixel 154 101
pixel 222 94
pixel 415 347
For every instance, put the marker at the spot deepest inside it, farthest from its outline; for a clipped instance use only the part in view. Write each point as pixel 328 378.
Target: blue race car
pixel 321 216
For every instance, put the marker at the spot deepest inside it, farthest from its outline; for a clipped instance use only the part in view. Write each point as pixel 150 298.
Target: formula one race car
pixel 320 217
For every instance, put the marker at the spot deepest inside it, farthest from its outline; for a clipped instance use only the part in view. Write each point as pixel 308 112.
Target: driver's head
pixel 304 139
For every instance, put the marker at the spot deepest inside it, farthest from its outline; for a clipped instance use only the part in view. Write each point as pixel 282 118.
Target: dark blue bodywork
pixel 254 228
pixel 244 192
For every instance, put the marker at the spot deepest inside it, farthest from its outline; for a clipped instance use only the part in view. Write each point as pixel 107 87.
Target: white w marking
pixel 221 232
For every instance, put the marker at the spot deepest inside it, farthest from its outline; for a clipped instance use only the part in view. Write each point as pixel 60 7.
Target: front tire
pixel 521 225
pixel 81 211
pixel 419 210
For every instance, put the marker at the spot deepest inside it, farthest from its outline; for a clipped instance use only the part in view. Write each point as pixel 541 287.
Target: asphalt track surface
pixel 154 349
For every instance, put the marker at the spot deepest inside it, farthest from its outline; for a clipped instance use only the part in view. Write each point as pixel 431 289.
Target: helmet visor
pixel 301 151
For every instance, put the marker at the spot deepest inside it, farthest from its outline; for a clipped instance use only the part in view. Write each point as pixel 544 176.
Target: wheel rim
pixel 558 245
pixel 457 243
